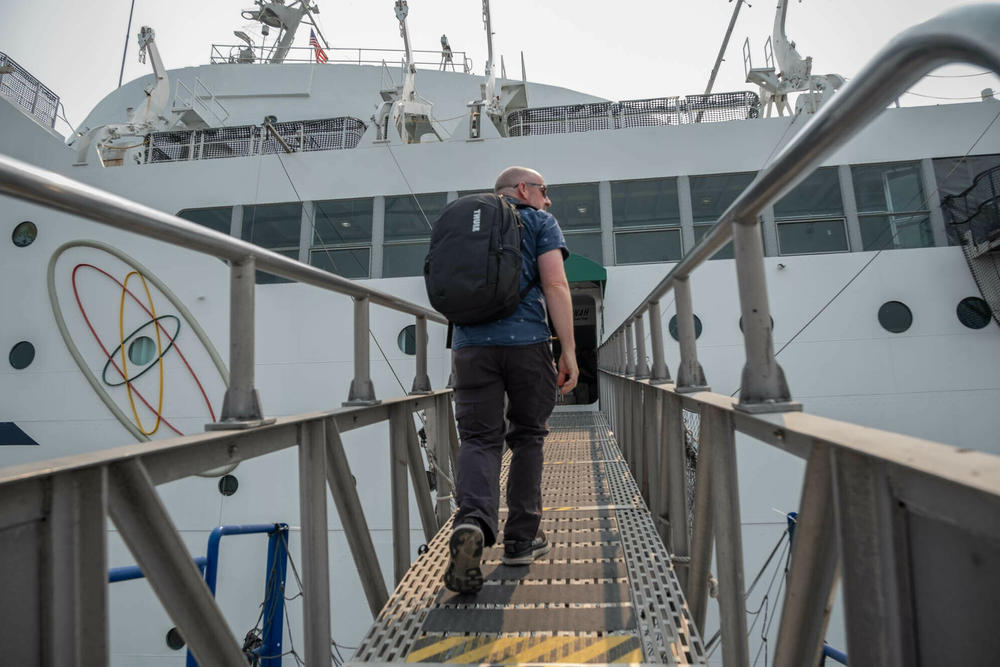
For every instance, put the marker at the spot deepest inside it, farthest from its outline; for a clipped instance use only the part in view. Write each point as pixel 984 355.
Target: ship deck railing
pixel 27 92
pixel 424 59
pixel 913 526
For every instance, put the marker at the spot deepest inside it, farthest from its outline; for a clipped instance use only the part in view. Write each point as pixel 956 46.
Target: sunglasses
pixel 543 188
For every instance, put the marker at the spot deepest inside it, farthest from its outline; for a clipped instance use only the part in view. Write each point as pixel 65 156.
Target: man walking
pixel 511 356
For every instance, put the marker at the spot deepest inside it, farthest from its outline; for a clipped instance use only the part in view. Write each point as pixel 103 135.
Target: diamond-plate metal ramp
pixel 605 593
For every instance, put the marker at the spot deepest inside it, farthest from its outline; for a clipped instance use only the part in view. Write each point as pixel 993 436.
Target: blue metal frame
pixel 275 572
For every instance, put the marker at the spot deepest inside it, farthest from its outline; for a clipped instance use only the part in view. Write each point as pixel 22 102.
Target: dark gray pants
pixel 527 374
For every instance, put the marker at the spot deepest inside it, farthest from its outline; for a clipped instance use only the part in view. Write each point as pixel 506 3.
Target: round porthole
pixel 407 340
pixel 21 355
pixel 174 640
pixel 142 350
pixel 228 485
pixel 973 312
pixel 741 323
pixel 24 234
pixel 673 327
pixel 895 316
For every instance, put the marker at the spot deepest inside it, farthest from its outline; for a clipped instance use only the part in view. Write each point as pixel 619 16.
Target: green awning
pixel 580 269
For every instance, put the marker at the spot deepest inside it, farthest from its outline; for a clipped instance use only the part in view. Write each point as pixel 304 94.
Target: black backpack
pixel 473 268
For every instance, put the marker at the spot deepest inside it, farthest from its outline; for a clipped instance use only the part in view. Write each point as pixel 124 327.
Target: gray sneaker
pixel 466 549
pixel 525 553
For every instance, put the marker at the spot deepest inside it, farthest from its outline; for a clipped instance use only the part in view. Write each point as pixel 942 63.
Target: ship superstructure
pixel 876 316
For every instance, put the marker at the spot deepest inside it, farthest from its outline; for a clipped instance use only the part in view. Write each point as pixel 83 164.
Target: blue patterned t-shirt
pixel 529 323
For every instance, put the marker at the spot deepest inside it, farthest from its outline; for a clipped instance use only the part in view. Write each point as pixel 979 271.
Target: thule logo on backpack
pixel 475 220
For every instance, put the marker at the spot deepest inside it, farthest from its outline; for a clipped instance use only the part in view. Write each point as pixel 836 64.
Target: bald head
pixel 511 176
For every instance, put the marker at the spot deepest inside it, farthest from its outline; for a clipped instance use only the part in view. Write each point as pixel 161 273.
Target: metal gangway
pixel 889 514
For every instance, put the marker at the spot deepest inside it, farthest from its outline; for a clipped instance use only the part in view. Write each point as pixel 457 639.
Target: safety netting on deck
pixel 714 108
pixel 27 92
pixel 974 216
pixel 325 134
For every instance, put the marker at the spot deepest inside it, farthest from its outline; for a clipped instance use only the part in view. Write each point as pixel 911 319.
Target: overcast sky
pixel 618 49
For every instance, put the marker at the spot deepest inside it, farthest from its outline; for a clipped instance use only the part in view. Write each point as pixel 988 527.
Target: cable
pixel 878 253
pixel 326 250
pixel 939 97
pixel 957 76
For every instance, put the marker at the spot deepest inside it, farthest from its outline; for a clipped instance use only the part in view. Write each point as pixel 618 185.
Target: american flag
pixel 320 53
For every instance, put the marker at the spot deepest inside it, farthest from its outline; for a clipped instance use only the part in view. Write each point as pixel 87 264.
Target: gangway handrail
pixel 966 34
pixel 242 402
pixel 863 490
pixel 40 186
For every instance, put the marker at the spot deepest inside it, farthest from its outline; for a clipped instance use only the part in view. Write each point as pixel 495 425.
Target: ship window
pixel 879 232
pixel 228 484
pixel 816 197
pixel 648 246
pixel 24 234
pixel 174 640
pixel 21 355
pixel 409 217
pixel 404 259
pixel 672 327
pixel 347 262
pixel 973 312
pixel 342 236
pixel 220 218
pixel 576 206
pixel 895 316
pixel 407 340
pixel 726 252
pixel 142 350
pixel 810 218
pixel 800 237
pixel 892 209
pixel 587 244
pixel 276 227
pixel 645 203
pixel 711 195
pixel 343 221
pixel 969 195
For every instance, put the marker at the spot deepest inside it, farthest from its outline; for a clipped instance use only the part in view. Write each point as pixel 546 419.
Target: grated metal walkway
pixel 605 593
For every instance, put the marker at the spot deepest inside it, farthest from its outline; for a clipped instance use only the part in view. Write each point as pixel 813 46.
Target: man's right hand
pixel 569 373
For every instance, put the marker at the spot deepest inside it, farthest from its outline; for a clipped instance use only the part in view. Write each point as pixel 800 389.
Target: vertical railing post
pixel 652 445
pixel 362 390
pixel 690 376
pixel 399 491
pixel 437 439
pixel 815 559
pixel 728 539
pixel 622 355
pixel 871 529
pixel 763 387
pixel 78 564
pixel 641 366
pixel 629 347
pixel 241 405
pixel 421 381
pixel 703 533
pixel 659 373
pixel 315 545
pixel 673 471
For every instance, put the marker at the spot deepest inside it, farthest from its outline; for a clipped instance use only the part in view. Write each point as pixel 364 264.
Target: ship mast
pixel 490 96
